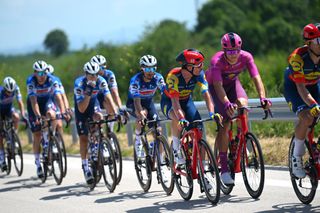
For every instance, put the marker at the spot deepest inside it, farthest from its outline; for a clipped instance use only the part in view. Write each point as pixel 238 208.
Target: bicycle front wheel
pixel 63 153
pixel 17 154
pixel 117 154
pixel 209 173
pixel 55 157
pixel 252 166
pixel 108 161
pixel 164 165
pixel 305 188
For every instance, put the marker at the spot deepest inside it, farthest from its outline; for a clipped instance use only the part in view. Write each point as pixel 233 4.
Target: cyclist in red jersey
pixel 302 90
pixel 227 91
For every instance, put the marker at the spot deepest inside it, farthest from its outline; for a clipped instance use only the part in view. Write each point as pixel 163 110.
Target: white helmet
pixel 40 66
pixel 99 59
pixel 91 67
pixel 50 69
pixel 148 61
pixel 9 84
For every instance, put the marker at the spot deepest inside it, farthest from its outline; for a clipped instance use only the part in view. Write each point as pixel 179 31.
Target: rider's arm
pixel 60 102
pixel 259 86
pixel 35 105
pixel 138 108
pixel 221 93
pixel 21 107
pixel 305 94
pixel 177 108
pixel 116 97
pixel 83 105
pixel 207 97
pixel 109 103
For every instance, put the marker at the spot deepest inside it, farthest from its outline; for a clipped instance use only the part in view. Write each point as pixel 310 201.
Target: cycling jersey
pixel 301 68
pixel 59 82
pixel 221 70
pixel 177 86
pixel 6 101
pixel 109 76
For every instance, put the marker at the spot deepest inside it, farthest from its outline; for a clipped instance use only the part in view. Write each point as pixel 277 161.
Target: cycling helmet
pixel 40 66
pixel 50 69
pixel 231 40
pixel 99 59
pixel 9 84
pixel 91 67
pixel 148 61
pixel 311 31
pixel 190 56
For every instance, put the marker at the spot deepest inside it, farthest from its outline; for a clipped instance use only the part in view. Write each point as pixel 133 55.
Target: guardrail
pixel 279 109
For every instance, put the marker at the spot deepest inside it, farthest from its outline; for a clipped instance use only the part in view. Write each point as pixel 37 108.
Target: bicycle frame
pixel 312 143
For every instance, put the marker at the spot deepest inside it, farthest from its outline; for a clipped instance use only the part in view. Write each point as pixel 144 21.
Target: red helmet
pixel 311 31
pixel 190 56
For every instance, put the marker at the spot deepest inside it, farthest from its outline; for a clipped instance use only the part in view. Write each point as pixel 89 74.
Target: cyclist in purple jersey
pixel 227 92
pixel 42 89
pixel 8 92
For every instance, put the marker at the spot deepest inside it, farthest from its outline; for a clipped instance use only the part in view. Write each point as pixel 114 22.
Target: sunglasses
pixel 42 73
pixel 149 69
pixel 232 52
pixel 316 41
pixel 197 65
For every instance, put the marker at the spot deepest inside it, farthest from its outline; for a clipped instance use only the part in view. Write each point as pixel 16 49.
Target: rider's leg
pixel 15 118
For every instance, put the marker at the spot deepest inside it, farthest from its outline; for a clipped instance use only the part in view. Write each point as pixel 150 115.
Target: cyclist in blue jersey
pixel 86 89
pixel 111 80
pixel 8 92
pixel 42 89
pixel 142 88
pixel 50 71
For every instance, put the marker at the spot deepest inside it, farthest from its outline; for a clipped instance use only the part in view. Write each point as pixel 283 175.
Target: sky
pixel 24 24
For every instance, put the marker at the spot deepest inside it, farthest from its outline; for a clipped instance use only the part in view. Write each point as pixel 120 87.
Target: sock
pixel 223 162
pixel 1 155
pixel 37 159
pixel 175 143
pixel 299 148
pixel 138 136
pixel 85 164
pixel 111 125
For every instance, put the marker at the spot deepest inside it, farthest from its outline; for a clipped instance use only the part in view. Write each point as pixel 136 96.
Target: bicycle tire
pixel 107 159
pixel 226 189
pixel 63 152
pixel 117 154
pixel 299 183
pixel 186 195
pixel 17 154
pixel 209 173
pixel 252 165
pixel 164 163
pixel 8 156
pixel 143 167
pixel 56 160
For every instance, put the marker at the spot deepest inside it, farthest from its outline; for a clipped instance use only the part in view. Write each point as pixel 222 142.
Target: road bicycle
pixel 157 157
pixel 101 156
pixel 51 158
pixel 244 154
pixel 12 144
pixel 200 164
pixel 305 188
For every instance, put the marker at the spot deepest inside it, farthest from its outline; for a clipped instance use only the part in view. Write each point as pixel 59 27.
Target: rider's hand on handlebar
pixel 217 118
pixel 265 103
pixel 183 122
pixel 315 110
pixel 230 108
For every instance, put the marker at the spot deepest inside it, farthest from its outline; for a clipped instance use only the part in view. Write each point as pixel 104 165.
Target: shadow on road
pixel 293 207
pixel 132 195
pixel 27 183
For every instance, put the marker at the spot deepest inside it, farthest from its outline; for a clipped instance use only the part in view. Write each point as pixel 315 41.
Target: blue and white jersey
pixel 45 91
pixel 7 100
pixel 80 85
pixel 109 76
pixel 60 83
pixel 138 88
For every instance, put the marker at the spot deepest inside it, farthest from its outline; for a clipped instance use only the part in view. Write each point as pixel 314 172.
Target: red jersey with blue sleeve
pixel 6 100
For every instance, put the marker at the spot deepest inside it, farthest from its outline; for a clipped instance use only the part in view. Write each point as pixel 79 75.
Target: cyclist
pixel 142 89
pixel 50 70
pixel 86 89
pixel 301 90
pixel 8 92
pixel 227 91
pixel 42 89
pixel 176 101
pixel 110 78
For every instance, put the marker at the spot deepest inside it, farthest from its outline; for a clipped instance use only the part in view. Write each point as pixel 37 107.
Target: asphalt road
pixel 28 194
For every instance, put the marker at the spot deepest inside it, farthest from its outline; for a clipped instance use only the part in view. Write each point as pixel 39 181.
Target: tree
pixel 57 42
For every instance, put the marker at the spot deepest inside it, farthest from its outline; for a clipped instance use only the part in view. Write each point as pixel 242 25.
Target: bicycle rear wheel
pixel 143 167
pixel 252 166
pixel 164 165
pixel 108 162
pixel 226 189
pixel 8 154
pixel 117 154
pixel 209 173
pixel 305 188
pixel 63 153
pixel 183 177
pixel 55 156
pixel 17 154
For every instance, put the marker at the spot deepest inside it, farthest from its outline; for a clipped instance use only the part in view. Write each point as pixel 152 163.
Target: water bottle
pixel 151 144
pixel 190 146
